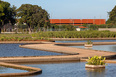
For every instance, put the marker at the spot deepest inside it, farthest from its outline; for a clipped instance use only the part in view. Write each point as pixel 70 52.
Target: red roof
pixel 82 27
pixel 78 21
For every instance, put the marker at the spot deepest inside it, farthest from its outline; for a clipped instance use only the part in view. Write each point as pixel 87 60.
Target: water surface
pixel 9 50
pixel 111 48
pixel 74 69
pixel 10 70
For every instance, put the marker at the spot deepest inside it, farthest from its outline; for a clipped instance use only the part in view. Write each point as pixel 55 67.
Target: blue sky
pixel 71 9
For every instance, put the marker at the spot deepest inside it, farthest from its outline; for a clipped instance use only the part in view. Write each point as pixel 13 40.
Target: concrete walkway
pixel 37 59
pixel 82 43
pixel 81 53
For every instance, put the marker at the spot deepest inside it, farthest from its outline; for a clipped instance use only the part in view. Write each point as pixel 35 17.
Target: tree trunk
pixel 0 30
pixel 30 30
pixel 1 26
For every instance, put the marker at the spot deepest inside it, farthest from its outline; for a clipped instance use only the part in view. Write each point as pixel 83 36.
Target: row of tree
pixel 31 15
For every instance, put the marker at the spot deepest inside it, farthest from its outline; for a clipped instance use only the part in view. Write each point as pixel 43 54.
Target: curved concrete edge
pixel 82 43
pixel 31 70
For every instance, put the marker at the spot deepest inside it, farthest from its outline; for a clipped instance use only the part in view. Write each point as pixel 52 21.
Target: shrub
pixel 96 60
pixel 75 34
pixel 89 42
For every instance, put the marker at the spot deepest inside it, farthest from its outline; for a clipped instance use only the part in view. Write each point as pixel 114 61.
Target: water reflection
pixel 95 72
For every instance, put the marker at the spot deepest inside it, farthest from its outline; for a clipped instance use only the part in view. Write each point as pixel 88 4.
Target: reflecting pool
pixel 74 69
pixel 7 50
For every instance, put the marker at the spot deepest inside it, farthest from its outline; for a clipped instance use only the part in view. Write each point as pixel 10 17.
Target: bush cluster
pixel 96 60
pixel 4 38
pixel 75 34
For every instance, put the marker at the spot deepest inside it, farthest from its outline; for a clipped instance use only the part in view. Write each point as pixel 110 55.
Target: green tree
pixel 1 12
pixel 7 14
pixel 33 16
pixel 112 16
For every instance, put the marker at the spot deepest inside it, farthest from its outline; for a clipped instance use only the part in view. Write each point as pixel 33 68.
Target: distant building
pixel 77 22
pixel 81 28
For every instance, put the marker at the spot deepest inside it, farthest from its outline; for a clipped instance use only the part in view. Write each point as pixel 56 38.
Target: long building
pixel 77 21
